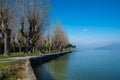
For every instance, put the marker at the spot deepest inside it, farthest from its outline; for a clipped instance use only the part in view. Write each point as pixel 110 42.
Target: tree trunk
pixel 13 48
pixel 19 48
pixel 6 44
pixel 27 46
pixel 32 49
pixel 6 33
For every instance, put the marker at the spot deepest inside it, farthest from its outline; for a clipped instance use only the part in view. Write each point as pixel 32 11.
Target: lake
pixel 84 65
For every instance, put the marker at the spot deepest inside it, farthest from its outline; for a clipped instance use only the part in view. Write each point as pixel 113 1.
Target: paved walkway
pixel 27 57
pixel 19 58
pixel 15 58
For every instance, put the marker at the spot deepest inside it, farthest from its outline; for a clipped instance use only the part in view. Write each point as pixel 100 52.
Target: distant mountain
pixel 108 47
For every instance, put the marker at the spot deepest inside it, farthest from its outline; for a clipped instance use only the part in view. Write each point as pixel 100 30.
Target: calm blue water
pixel 84 65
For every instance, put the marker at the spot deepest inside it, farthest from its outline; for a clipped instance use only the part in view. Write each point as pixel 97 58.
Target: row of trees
pixel 25 26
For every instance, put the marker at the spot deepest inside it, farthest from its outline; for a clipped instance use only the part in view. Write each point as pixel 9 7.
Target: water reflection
pixel 53 70
pixel 86 65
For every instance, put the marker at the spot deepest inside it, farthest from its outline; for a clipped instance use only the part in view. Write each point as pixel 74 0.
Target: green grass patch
pixel 1 56
pixel 5 64
pixel 3 68
pixel 18 54
pixel 13 70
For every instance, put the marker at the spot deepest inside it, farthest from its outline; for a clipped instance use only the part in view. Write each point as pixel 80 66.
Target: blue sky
pixel 89 22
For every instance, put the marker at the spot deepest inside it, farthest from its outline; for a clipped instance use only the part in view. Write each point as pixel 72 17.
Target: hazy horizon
pixel 91 23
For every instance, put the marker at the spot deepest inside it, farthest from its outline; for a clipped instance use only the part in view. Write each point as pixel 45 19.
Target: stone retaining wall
pixel 45 58
pixel 30 72
pixel 32 62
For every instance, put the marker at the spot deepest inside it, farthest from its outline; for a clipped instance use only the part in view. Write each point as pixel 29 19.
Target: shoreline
pixel 34 61
pixel 41 60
